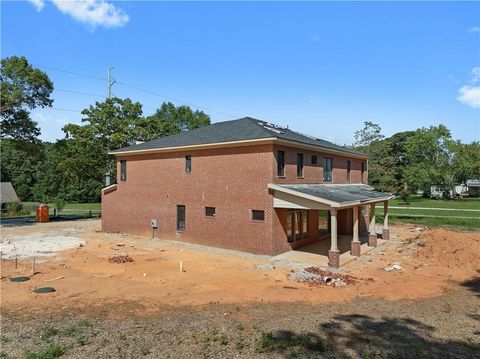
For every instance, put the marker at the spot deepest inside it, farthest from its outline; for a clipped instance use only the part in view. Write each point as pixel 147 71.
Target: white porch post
pixel 372 235
pixel 355 245
pixel 386 230
pixel 333 253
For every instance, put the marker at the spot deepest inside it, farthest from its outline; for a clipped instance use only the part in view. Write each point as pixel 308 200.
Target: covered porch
pixel 349 210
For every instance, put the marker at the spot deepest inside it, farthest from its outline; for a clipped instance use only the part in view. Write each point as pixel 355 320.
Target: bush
pixel 16 209
pixel 60 204
pixel 405 196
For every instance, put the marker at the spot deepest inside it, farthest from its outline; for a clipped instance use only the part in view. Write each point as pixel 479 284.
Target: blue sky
pixel 321 68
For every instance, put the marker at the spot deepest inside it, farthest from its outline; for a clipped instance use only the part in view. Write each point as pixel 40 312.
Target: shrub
pixel 60 204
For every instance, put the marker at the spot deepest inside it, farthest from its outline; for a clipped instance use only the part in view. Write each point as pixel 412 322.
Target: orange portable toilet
pixel 42 213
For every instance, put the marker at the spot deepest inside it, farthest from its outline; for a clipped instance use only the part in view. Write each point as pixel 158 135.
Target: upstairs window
pixel 348 171
pixel 188 164
pixel 327 169
pixel 180 218
pixel 314 159
pixel 281 163
pixel 299 164
pixel 258 215
pixel 363 172
pixel 210 211
pixel 123 170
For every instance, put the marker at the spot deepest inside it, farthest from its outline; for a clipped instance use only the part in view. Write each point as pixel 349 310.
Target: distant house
pixel 473 186
pixel 8 194
pixel 247 185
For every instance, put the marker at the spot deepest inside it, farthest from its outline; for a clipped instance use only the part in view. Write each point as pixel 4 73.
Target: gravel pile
pixel 316 276
pixel 120 258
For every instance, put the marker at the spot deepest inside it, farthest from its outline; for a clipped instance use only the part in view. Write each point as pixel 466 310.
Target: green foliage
pixel 370 132
pixel 287 341
pixel 22 88
pixel 429 153
pixel 60 204
pixel 19 160
pixel 52 351
pixel 170 120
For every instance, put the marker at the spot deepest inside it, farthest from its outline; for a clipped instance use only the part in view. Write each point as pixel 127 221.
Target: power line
pixel 80 93
pixel 62 109
pixel 71 72
pixel 174 99
pixel 135 88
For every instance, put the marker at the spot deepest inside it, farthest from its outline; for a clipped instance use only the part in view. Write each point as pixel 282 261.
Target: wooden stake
pixel 16 263
pixel 33 265
pixel 181 266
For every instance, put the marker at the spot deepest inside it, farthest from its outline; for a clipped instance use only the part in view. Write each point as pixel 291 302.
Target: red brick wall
pixel 234 180
pixel 314 173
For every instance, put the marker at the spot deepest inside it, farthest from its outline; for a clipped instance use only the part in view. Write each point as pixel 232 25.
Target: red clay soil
pixel 433 261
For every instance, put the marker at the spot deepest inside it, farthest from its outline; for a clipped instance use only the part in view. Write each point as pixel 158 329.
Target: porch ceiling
pixel 320 196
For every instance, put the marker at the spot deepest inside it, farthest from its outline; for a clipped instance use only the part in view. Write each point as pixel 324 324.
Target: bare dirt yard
pixel 122 296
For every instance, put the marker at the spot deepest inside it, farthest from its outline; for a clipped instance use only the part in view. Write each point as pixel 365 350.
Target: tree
pixel 170 120
pixel 23 88
pixel 430 156
pixel 466 161
pixel 19 160
pixel 371 132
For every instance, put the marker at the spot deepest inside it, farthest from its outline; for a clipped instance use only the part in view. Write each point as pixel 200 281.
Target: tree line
pixel 72 169
pixel 412 161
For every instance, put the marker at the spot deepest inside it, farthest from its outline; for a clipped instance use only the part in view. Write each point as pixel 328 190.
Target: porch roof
pixel 330 195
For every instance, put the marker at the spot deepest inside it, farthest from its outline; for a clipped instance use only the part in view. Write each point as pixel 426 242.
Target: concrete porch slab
pixel 316 254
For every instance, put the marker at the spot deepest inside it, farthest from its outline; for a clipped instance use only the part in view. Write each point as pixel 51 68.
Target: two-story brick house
pixel 244 184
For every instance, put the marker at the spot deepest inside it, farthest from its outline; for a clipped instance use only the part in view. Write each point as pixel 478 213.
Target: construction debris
pixel 43 290
pixel 120 258
pixel 314 276
pixel 393 267
pixel 419 229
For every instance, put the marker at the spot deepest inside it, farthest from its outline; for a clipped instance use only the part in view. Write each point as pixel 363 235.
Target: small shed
pixel 7 193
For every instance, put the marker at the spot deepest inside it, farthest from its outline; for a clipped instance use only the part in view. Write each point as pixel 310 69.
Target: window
pixel 180 218
pixel 123 170
pixel 281 163
pixel 290 221
pixel 323 219
pixel 327 169
pixel 314 159
pixel 210 211
pixel 258 215
pixel 299 164
pixel 188 164
pixel 363 172
pixel 297 225
pixel 348 170
pixel 305 224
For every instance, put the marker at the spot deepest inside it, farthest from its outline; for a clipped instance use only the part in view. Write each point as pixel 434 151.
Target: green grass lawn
pixel 465 203
pixel 434 217
pixel 70 208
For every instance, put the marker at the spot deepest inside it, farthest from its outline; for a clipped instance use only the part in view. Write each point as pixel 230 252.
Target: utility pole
pixel 110 82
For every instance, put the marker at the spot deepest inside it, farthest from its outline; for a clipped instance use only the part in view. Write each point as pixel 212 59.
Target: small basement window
pixel 258 215
pixel 123 170
pixel 210 211
pixel 180 218
pixel 188 164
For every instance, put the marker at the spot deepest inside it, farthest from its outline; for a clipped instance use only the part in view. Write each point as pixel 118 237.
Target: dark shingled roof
pixel 246 128
pixel 341 193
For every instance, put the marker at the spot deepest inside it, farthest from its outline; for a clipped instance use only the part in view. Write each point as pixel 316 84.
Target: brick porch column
pixel 372 234
pixel 386 230
pixel 333 253
pixel 355 245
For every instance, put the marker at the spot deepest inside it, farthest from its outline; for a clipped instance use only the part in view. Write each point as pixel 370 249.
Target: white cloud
pixel 38 4
pixel 469 95
pixel 474 29
pixel 92 12
pixel 476 74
